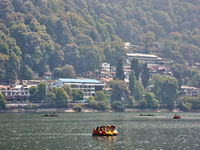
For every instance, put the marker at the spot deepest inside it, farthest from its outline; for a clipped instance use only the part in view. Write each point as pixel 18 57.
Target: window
pixel 74 86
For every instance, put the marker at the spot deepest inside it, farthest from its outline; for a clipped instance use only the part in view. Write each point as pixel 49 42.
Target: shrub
pixel 77 108
pixel 118 105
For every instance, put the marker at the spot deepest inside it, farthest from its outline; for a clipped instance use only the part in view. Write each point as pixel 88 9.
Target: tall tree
pixel 151 101
pixel 68 71
pixel 195 81
pixel 67 89
pixel 119 90
pixel 42 90
pixel 132 80
pixel 3 102
pixel 170 91
pixel 28 73
pixel 119 71
pixel 178 76
pixel 101 96
pixel 61 98
pixel 77 94
pixel 145 75
pixel 139 91
pixel 135 67
pixel 33 93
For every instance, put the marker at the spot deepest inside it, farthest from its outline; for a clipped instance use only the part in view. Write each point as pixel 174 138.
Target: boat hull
pixel 146 115
pixel 93 134
pixel 177 117
pixel 51 116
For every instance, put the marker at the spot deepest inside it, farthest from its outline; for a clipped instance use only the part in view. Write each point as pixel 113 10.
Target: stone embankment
pixel 51 110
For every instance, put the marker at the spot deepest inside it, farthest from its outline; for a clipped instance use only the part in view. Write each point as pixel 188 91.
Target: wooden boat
pixel 145 115
pixel 50 115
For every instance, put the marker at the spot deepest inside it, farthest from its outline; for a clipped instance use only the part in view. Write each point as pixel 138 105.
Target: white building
pixel 146 58
pixel 16 92
pixel 105 66
pixel 88 86
pixel 151 60
pixel 189 91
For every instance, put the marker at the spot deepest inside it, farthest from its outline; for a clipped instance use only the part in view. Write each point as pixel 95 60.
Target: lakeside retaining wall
pixel 51 110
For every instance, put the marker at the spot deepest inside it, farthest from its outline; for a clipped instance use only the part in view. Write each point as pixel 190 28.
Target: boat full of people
pixel 105 131
pixel 146 115
pixel 177 117
pixel 55 114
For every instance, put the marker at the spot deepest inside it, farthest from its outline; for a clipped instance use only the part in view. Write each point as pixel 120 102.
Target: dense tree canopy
pixel 49 34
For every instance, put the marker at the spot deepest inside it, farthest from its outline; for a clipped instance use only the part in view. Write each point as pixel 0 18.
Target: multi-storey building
pixel 105 66
pixel 88 86
pixel 16 92
pixel 189 91
pixel 147 58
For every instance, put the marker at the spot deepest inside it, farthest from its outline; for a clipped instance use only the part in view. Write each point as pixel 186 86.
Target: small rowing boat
pixel 145 115
pixel 50 116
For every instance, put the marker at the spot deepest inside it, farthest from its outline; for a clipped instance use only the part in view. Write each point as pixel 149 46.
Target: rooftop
pixel 68 80
pixel 141 55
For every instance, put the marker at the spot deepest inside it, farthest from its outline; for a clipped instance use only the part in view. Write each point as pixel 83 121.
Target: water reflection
pixel 105 139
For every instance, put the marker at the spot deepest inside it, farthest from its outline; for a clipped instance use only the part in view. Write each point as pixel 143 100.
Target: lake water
pixel 74 131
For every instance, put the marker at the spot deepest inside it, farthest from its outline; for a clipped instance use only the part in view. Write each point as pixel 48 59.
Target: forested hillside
pixel 41 35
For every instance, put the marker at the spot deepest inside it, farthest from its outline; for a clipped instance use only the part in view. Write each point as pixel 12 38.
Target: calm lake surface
pixel 74 131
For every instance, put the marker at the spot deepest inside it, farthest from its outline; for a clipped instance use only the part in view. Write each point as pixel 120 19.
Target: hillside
pixel 41 35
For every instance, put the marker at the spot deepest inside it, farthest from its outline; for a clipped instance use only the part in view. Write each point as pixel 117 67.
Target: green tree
pixel 170 91
pixel 157 86
pixel 101 96
pixel 118 105
pixel 61 98
pixel 33 94
pixel 151 101
pixel 51 98
pixel 145 75
pixel 78 108
pixel 143 103
pixel 28 73
pixel 57 72
pixel 41 90
pixel 77 94
pixel 119 71
pixel 195 81
pixel 132 81
pixel 67 89
pixel 68 71
pixel 90 99
pixel 139 91
pixel 3 102
pixel 4 48
pixel 135 67
pixel 119 90
pixel 131 102
pixel 178 76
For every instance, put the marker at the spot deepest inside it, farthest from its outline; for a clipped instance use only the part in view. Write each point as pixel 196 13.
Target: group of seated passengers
pixel 176 116
pixel 51 114
pixel 101 128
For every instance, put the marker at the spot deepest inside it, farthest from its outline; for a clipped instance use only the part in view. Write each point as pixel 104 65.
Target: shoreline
pixel 50 110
